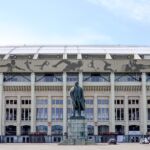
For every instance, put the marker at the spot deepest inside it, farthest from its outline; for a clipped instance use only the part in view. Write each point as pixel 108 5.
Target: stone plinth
pixel 77 128
pixel 77 132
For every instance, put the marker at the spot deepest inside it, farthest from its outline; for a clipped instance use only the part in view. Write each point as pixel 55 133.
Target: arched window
pixel 103 129
pixel 57 130
pixel 42 129
pixel 119 129
pixel 10 130
pixel 25 130
pixel 134 128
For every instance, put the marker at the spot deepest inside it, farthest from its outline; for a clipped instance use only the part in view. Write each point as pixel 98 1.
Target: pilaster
pixel 112 105
pixel 64 102
pixel 143 108
pixel 33 104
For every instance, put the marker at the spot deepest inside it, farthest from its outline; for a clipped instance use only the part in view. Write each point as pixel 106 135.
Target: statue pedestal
pixel 77 132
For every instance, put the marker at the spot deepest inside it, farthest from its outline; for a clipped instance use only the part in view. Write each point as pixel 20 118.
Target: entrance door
pixel 25 139
pixel 57 139
pixel 134 139
pixel 9 139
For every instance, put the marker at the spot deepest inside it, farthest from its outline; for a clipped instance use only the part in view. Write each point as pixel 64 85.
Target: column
pixel 126 115
pixel 18 116
pixel 112 105
pixel 64 102
pixel 81 79
pixel 143 107
pixel 33 104
pixel 95 115
pixel 1 104
pixel 49 114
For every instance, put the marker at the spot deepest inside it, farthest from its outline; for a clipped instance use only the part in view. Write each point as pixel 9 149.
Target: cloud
pixel 135 9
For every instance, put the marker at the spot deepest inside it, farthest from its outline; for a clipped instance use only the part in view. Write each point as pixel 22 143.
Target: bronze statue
pixel 78 101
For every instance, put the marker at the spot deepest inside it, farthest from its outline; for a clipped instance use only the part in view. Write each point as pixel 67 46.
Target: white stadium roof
pixel 73 49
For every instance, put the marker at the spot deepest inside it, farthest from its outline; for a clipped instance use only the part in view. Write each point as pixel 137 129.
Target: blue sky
pixel 75 22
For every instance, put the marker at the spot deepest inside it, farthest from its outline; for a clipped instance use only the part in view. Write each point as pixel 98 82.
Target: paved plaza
pixel 128 146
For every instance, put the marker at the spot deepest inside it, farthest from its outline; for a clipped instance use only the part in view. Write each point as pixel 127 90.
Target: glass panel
pixel 89 101
pixel 17 78
pixel 103 101
pixel 57 113
pixel 72 77
pixel 89 113
pixel 96 77
pixel 103 114
pixel 42 128
pixel 41 114
pixel 57 130
pixel 127 77
pixel 41 101
pixel 148 113
pixel 148 77
pixel 54 77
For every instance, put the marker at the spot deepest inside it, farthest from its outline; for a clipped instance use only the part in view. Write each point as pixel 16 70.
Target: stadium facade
pixel 34 91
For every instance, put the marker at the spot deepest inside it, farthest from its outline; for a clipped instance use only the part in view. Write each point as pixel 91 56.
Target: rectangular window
pixel 118 102
pixel 41 114
pixel 49 77
pixel 72 77
pixel 89 113
pixel 25 101
pixel 25 114
pixel 15 102
pixel 127 77
pixel 57 108
pixel 17 77
pixel 11 101
pixel 59 102
pixel 89 101
pixel 103 114
pixel 53 102
pixel 103 101
pixel 129 101
pixel 122 114
pixel 133 113
pixel 119 114
pixel 7 101
pixel 148 113
pixel 57 113
pixel 96 77
pixel 133 101
pixel 148 128
pixel 148 101
pixel 122 102
pixel 11 114
pixel 41 101
pixel 137 101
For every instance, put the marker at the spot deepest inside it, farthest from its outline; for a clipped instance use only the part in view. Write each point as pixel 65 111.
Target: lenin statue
pixel 78 101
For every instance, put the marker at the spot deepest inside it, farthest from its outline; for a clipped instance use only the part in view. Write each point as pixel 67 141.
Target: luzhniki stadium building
pixel 34 91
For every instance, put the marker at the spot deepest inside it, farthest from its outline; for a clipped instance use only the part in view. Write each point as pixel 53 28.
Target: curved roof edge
pixel 74 49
